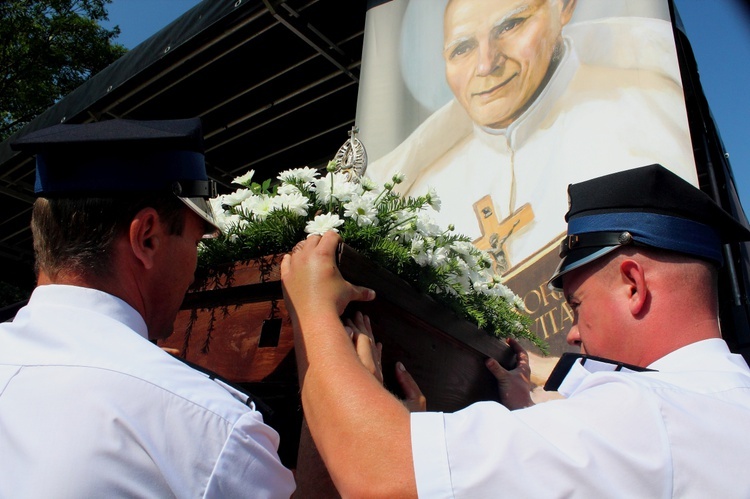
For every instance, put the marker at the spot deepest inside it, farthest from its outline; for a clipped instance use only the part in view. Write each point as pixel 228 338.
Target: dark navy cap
pixel 646 206
pixel 117 157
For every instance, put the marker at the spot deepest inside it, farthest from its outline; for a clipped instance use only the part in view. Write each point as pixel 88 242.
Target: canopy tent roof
pixel 275 83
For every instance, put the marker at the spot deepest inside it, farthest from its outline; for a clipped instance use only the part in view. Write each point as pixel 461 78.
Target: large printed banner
pixel 500 104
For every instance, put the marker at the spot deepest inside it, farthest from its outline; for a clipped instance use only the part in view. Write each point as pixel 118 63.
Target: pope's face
pixel 498 53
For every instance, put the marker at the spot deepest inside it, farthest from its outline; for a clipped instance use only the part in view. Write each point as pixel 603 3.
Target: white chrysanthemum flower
pixel 425 252
pixel 304 174
pixel 237 197
pixel 481 287
pixel 258 206
pixel 403 225
pixel 264 206
pixel 426 225
pixel 245 179
pixel 418 252
pixel 462 282
pixel 418 244
pixel 467 253
pixel 489 284
pixel 462 267
pixel 398 177
pixel 439 256
pixel 463 247
pixel 362 209
pixel 225 220
pixel 217 205
pixel 369 184
pixel 402 217
pixel 220 219
pixel 491 276
pixel 285 189
pixel 296 203
pixel 322 224
pixel 433 199
pixel 229 222
pixel 422 259
pixel 247 206
pixel 342 190
pixel 508 295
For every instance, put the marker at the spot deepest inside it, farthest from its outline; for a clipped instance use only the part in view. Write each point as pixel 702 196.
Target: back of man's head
pixel 76 236
pixel 92 179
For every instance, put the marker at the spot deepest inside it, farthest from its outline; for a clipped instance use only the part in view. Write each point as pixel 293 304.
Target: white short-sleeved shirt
pixel 90 408
pixel 679 432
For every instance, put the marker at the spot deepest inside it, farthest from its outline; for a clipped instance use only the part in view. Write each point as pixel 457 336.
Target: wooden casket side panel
pixel 443 352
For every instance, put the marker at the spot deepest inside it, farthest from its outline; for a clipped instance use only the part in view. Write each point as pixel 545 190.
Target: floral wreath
pixel 395 231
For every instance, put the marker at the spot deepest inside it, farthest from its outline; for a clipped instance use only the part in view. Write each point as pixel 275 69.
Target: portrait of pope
pixel 538 100
pixel 498 105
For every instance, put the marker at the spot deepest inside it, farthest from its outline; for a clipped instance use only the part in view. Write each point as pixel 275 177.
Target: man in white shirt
pixel 89 405
pixel 639 270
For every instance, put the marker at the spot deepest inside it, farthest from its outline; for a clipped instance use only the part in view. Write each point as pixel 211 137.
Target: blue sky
pixel 719 32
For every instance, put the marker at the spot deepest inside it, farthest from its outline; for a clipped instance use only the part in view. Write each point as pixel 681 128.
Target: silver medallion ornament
pixel 351 158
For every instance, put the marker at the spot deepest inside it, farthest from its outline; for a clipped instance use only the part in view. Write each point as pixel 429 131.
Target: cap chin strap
pixel 194 188
pixel 594 239
pixel 195 194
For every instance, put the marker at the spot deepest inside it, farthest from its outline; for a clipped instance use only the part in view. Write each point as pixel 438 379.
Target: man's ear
pixel 568 7
pixel 146 234
pixel 634 277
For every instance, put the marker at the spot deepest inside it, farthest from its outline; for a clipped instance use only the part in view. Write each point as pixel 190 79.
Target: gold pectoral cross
pixel 495 234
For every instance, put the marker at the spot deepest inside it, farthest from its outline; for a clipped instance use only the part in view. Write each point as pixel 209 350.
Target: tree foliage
pixel 47 49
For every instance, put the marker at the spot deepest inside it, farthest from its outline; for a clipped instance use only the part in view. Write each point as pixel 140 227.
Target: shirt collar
pixel 90 299
pixel 684 358
pixel 580 370
pixel 713 354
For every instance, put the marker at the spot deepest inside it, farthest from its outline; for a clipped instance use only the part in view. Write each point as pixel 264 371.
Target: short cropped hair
pixel 78 234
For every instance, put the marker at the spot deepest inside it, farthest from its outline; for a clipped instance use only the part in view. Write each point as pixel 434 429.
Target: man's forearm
pixel 355 422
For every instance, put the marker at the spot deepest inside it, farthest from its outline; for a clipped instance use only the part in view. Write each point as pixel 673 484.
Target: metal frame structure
pixel 275 83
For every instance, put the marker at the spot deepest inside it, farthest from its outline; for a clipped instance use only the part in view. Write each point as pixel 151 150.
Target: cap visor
pixel 202 208
pixel 576 259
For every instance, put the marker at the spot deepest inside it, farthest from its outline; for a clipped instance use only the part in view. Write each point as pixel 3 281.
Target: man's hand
pixel 370 353
pixel 312 282
pixel 415 401
pixel 514 385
